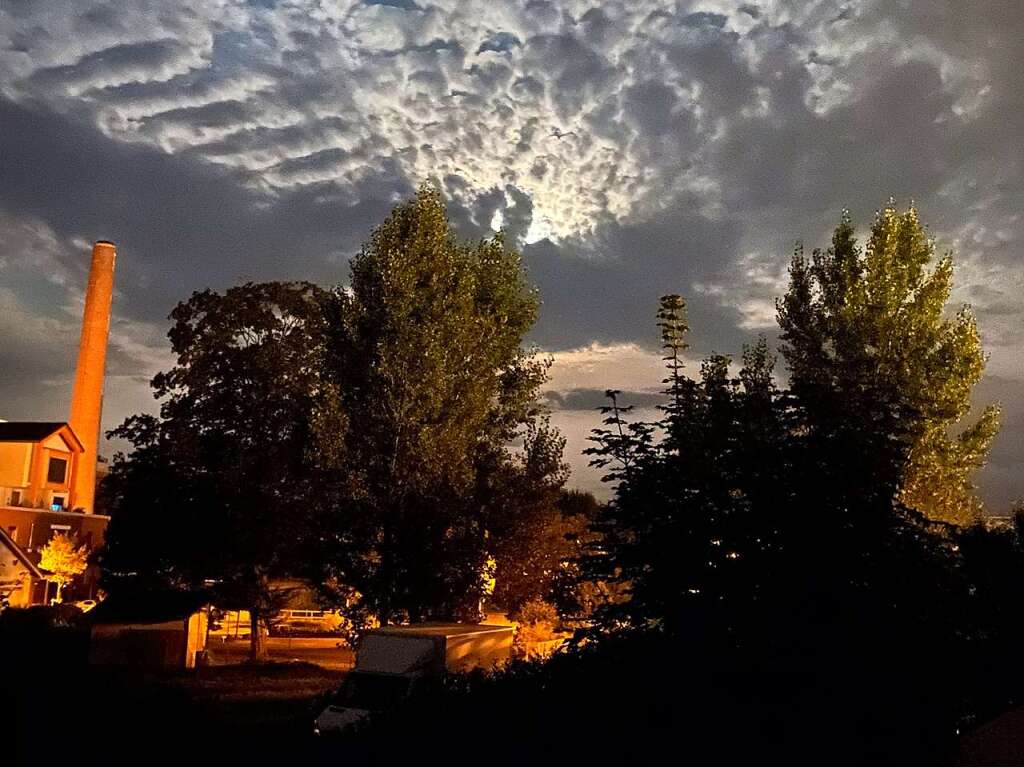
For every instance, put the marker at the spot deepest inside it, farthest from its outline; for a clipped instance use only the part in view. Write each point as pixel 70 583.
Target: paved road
pixel 322 652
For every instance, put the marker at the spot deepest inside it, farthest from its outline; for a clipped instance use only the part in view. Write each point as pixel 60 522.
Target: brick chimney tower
pixel 87 397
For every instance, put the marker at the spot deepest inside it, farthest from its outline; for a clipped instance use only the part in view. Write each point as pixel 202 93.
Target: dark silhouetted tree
pixel 682 525
pixel 217 488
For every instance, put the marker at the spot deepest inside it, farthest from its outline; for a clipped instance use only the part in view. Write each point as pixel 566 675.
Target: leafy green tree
pixel 863 326
pixel 537 545
pixel 433 386
pixel 64 561
pixel 744 506
pixel 217 488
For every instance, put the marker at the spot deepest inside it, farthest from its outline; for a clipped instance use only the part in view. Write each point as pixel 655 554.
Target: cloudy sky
pixel 629 148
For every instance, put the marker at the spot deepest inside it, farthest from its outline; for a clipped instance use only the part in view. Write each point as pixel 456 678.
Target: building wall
pixel 172 644
pixel 15 460
pixel 30 529
pixel 45 490
pixel 24 467
pixel 195 640
pixel 15 579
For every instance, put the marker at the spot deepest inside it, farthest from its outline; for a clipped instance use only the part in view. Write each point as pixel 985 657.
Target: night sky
pixel 629 149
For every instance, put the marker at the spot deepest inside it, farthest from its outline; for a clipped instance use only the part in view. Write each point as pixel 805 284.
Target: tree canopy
pixel 827 527
pixel 866 323
pixel 214 482
pixel 695 492
pixel 433 387
pixel 63 560
pixel 383 440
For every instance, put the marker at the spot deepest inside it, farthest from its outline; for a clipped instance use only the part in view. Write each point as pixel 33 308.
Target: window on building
pixel 15 498
pixel 57 471
pixel 59 502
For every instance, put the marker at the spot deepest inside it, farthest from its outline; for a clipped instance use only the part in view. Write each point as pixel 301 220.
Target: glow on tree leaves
pixel 64 561
pixel 875 318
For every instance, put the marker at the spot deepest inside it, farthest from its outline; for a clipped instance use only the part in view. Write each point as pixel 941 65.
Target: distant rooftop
pixel 28 431
pixel 150 607
pixel 440 629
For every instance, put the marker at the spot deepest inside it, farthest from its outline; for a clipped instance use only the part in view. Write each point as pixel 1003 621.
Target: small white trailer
pixel 392 661
pixel 434 648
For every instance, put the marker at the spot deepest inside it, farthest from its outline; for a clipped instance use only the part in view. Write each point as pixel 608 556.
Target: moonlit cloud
pixel 630 148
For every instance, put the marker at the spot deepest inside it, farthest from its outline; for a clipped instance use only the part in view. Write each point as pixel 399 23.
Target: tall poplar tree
pixel 861 325
pixel 434 384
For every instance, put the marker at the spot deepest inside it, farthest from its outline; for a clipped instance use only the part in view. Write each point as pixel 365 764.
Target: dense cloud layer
pixel 630 148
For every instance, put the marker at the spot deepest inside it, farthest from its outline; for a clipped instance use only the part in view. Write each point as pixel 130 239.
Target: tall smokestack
pixel 87 398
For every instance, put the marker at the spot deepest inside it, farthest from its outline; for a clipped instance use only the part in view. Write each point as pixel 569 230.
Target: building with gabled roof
pixel 48 469
pixel 19 574
pixel 39 463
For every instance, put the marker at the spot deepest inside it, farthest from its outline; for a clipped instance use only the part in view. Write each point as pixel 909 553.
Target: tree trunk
pixel 384 609
pixel 257 645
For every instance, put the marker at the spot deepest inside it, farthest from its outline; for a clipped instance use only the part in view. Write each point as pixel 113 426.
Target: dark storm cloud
pixel 195 119
pixel 405 5
pixel 1001 480
pixel 595 290
pixel 287 138
pixel 120 63
pixel 594 399
pixel 575 72
pixel 181 223
pixel 500 42
pixel 702 19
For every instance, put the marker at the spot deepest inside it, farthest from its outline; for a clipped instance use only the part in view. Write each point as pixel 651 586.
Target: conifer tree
pixel 679 537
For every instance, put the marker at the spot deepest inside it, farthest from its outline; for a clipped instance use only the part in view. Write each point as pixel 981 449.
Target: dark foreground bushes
pixel 39 637
pixel 889 667
pixel 647 695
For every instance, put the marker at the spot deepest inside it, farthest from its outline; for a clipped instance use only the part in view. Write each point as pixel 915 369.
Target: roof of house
pixel 32 431
pixel 149 607
pixel 440 629
pixel 22 556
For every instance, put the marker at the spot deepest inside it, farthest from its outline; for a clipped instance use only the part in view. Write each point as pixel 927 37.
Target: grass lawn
pixel 263 699
pixel 130 715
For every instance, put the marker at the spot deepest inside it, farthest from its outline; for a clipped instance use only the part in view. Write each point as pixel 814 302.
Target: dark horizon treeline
pixel 798 571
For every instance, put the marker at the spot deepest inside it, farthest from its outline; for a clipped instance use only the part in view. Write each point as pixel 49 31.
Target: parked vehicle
pixel 391 663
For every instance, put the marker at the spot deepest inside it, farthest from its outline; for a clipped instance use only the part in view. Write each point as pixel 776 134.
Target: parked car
pixel 392 663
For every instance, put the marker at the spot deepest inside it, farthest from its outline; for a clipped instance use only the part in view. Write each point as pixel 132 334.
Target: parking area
pixel 326 652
